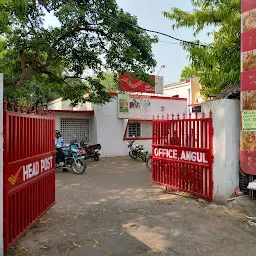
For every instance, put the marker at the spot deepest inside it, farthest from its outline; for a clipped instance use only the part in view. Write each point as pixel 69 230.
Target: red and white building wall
pixel 100 123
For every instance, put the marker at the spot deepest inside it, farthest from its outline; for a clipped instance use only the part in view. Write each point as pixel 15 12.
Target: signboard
pixel 131 84
pixel 123 106
pixel 134 107
pixel 145 108
pixel 248 87
pixel 22 174
pixel 182 155
pixel 249 120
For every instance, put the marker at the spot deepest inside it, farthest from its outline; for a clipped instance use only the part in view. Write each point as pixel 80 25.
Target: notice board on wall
pixel 248 88
pixel 134 107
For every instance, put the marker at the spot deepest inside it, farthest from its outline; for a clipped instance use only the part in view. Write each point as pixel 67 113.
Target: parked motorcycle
pixel 70 156
pixel 91 151
pixel 149 163
pixel 137 151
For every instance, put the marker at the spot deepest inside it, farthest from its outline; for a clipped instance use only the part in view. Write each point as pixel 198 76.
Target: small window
pixel 134 130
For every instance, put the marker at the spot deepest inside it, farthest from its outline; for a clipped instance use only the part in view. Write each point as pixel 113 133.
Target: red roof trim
pixel 167 98
pixel 88 112
pixel 139 120
pixel 152 96
pixel 113 93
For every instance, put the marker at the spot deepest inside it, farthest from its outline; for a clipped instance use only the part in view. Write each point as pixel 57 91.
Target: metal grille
pixel 77 129
pixel 182 154
pixel 134 130
pixel 139 129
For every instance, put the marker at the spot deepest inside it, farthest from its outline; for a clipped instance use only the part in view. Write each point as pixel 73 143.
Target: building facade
pixel 102 124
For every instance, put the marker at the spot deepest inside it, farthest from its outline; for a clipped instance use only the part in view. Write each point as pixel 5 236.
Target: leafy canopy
pixel 218 64
pixel 92 37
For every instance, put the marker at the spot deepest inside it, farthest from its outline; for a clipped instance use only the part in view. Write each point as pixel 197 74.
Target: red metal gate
pixel 29 173
pixel 182 154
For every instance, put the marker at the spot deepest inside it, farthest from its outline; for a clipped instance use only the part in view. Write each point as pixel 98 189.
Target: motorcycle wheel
pixel 149 163
pixel 79 166
pixel 144 158
pixel 96 157
pixel 132 155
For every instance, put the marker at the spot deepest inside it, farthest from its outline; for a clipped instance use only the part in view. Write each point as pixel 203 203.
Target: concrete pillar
pixel 226 146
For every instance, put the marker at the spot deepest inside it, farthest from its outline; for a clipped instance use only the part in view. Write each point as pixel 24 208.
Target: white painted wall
pixel 110 129
pixel 226 146
pixel 58 104
pixel 181 90
pixel 1 166
pixel 170 106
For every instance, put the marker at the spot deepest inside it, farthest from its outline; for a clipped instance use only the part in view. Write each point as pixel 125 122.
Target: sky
pixel 149 15
pixel 167 51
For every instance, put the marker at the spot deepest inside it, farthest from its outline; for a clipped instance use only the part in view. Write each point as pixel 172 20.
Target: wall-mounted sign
pixel 123 106
pixel 249 120
pixel 248 87
pixel 134 105
pixel 30 170
pixel 131 84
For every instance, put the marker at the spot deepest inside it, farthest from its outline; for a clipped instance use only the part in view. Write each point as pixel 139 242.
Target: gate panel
pixel 29 169
pixel 182 154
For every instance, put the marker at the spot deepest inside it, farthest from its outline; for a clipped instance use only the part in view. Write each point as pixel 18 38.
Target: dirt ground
pixel 113 209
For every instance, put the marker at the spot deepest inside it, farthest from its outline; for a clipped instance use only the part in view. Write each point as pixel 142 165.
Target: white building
pixel 100 123
pixel 189 89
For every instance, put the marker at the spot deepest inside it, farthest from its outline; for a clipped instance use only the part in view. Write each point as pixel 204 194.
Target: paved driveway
pixel 113 209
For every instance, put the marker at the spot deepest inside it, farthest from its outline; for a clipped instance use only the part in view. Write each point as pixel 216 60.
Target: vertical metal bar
pixel 152 149
pixel 198 134
pixel 183 133
pixel 194 134
pixel 210 160
pixel 201 133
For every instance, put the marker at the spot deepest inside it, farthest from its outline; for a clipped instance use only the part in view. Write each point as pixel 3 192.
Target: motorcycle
pixel 137 151
pixel 149 163
pixel 91 151
pixel 70 156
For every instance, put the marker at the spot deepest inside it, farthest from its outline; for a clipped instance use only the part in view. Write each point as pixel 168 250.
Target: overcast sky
pixel 167 52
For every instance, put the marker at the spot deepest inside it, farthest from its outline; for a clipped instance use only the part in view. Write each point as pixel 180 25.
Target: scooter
pixel 70 157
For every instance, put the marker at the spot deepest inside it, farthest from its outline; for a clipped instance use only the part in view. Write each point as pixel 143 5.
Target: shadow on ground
pixel 113 209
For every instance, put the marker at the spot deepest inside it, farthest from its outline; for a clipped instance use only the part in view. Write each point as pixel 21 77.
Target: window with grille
pixel 139 130
pixel 74 129
pixel 134 130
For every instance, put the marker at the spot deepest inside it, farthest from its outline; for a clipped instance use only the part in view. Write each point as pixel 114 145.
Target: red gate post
pixel 1 167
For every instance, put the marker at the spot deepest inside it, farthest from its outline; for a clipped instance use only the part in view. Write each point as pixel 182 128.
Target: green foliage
pixel 218 64
pixel 189 72
pixel 110 82
pixel 47 62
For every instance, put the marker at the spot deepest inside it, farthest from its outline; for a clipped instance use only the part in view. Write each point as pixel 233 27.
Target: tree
pixel 189 72
pixel 218 64
pixel 92 35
